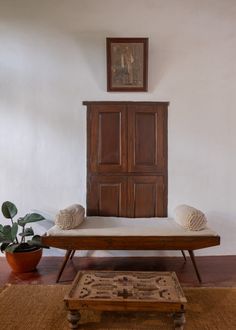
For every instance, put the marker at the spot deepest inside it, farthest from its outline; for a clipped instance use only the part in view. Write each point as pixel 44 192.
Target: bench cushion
pixel 114 226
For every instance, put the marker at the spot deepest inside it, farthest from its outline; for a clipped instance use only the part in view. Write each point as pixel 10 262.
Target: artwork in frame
pixel 127 64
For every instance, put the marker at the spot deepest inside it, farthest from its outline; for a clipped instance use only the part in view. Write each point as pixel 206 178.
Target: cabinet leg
pixel 73 317
pixel 179 320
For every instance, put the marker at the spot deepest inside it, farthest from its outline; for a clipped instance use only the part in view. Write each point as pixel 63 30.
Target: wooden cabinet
pixel 127 158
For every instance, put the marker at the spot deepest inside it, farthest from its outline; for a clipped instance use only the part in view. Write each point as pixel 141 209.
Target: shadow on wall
pixel 159 64
pixel 225 226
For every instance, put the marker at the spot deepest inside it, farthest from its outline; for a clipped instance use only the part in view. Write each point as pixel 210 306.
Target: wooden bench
pixel 111 233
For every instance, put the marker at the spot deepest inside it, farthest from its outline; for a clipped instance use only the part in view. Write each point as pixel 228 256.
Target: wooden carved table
pixel 126 291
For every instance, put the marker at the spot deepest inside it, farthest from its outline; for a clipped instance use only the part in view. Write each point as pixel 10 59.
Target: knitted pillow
pixel 71 217
pixel 190 218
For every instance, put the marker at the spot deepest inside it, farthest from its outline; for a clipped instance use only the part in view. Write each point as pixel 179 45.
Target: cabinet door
pixel 107 138
pixel 147 196
pixel 147 138
pixel 107 196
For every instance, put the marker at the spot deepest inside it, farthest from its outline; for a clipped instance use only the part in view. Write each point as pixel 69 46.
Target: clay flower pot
pixel 22 262
pixel 22 255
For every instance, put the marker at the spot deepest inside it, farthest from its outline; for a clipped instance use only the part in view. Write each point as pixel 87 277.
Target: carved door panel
pixel 146 196
pixel 146 138
pixel 107 196
pixel 107 147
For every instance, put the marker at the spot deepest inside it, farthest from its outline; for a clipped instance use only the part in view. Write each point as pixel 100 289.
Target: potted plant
pixel 22 255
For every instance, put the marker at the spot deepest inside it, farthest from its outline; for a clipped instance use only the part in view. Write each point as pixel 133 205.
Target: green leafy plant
pixel 11 239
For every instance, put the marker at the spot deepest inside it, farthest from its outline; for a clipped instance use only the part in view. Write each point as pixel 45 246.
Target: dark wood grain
pixel 147 138
pixel 146 196
pixel 107 195
pixel 127 142
pixel 107 138
pixel 131 242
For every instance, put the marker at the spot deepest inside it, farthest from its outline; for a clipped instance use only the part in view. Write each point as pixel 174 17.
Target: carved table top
pixel 96 289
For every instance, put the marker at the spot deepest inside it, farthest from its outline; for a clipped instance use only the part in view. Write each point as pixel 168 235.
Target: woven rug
pixel 2 288
pixel 40 307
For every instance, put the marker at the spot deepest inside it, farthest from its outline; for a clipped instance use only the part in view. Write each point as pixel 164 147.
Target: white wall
pixel 52 57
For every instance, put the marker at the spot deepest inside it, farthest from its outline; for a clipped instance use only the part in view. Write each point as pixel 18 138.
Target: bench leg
pixel 182 251
pixel 72 254
pixel 66 258
pixel 195 265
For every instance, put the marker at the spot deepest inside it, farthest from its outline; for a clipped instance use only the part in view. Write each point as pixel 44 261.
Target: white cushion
pixel 190 218
pixel 71 217
pixel 114 226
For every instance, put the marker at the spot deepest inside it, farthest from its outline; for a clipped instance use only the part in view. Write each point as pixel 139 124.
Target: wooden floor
pixel 217 271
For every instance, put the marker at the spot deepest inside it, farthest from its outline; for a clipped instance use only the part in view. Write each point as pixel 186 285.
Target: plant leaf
pixel 27 232
pixel 11 248
pixel 9 210
pixel 20 221
pixel 3 239
pixel 31 217
pixel 7 233
pixel 1 229
pixel 36 241
pixel 14 230
pixel 4 246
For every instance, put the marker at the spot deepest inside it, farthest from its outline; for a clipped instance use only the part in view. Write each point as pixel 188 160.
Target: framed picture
pixel 127 64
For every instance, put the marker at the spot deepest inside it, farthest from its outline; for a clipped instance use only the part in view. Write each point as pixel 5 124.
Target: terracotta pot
pixel 22 262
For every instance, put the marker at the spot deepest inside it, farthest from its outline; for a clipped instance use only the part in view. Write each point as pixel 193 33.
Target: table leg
pixel 73 317
pixel 179 320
